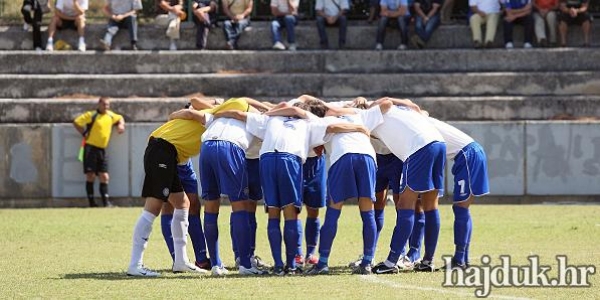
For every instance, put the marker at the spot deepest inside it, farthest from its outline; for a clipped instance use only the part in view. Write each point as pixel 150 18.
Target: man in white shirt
pixel 121 14
pixel 332 13
pixel 68 14
pixel 286 16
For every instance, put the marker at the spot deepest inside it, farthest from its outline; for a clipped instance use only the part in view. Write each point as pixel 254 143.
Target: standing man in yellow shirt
pixel 96 127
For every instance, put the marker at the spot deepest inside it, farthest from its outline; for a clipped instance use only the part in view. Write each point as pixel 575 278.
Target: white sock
pixel 50 41
pixel 179 229
pixel 81 40
pixel 389 264
pixel 141 233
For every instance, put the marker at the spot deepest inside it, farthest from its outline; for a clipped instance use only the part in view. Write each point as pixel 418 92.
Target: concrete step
pixel 287 84
pixel 360 36
pixel 136 109
pixel 367 62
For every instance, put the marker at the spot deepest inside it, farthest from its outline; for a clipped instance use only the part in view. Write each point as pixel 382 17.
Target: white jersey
pixel 253 151
pixel 67 7
pixel 405 131
pixel 227 129
pixel 379 146
pixel 455 139
pixel 282 134
pixel 339 144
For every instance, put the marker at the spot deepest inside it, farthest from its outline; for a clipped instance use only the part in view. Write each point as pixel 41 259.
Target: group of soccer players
pixel 251 150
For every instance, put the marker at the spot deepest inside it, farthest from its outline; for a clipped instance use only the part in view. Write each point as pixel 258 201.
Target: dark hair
pixel 318 109
pixel 301 105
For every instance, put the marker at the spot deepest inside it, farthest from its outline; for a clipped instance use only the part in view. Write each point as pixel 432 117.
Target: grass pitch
pixel 83 253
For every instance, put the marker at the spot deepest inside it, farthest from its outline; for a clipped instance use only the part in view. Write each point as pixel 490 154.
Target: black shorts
pixel 95 160
pixel 160 164
pixel 67 24
pixel 578 20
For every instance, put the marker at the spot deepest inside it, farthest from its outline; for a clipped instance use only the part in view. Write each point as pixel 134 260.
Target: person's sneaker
pixel 105 45
pixel 38 49
pixel 477 44
pixel 417 42
pixel 292 47
pixel 299 260
pixel 402 47
pixel 49 47
pixel 543 43
pixel 251 271
pixel 509 45
pixel 279 271
pixel 26 26
pixel 141 271
pixel 527 46
pixel 424 266
pixel 316 270
pixel 81 46
pixel 363 270
pixel 356 263
pixel 134 47
pixel 205 265
pixel 311 260
pixel 404 263
pixel 109 204
pixel 378 47
pixel 489 44
pixel 188 268
pixel 173 46
pixel 257 262
pixel 453 265
pixel 293 271
pixel 279 46
pixel 219 271
pixel 230 45
pixel 382 268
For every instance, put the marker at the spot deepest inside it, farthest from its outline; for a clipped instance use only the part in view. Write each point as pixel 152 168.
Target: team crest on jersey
pixel 288 123
pixel 166 192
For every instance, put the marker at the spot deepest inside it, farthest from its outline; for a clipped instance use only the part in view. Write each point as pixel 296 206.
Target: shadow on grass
pixel 167 274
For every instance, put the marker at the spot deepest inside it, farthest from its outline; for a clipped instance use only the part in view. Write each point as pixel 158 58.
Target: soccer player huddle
pixel 251 150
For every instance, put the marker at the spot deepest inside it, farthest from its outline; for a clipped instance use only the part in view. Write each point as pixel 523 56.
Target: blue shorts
pixel 389 170
pixel 223 171
pixel 254 189
pixel 314 182
pixel 470 173
pixel 281 177
pixel 352 176
pixel 188 178
pixel 423 171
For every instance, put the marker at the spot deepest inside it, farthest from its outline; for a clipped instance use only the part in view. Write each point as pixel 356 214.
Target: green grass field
pixel 83 253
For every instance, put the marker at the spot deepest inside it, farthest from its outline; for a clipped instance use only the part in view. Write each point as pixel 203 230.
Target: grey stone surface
pixel 24 156
pixel 68 180
pixel 360 36
pixel 504 144
pixel 563 158
pixel 320 85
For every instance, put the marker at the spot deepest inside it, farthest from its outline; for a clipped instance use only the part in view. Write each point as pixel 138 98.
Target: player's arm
pixel 78 128
pixel 188 114
pixel 260 106
pixel 121 125
pixel 401 102
pixel 347 127
pixel 200 104
pixel 232 114
pixel 288 111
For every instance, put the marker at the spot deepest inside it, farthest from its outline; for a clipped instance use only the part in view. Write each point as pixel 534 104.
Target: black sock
pixel 104 193
pixel 89 188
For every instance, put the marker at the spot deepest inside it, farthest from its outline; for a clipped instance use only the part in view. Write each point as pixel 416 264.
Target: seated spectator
pixel 574 12
pixel 427 19
pixel 205 13
pixel 170 13
pixel 374 10
pixel 544 13
pixel 394 12
pixel 332 13
pixel 517 12
pixel 37 8
pixel 122 14
pixel 446 12
pixel 484 12
pixel 238 19
pixel 286 16
pixel 68 14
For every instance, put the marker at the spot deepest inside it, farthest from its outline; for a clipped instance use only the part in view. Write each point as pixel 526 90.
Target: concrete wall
pixel 526 159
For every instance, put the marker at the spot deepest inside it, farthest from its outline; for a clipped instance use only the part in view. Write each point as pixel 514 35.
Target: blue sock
pixel 274 234
pixel 211 231
pixel 234 244
pixel 328 232
pixel 290 237
pixel 300 233
pixel 312 235
pixel 253 226
pixel 369 236
pixel 404 225
pixel 470 230
pixel 241 231
pixel 461 232
pixel 379 218
pixel 432 232
pixel 165 226
pixel 197 237
pixel 416 237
